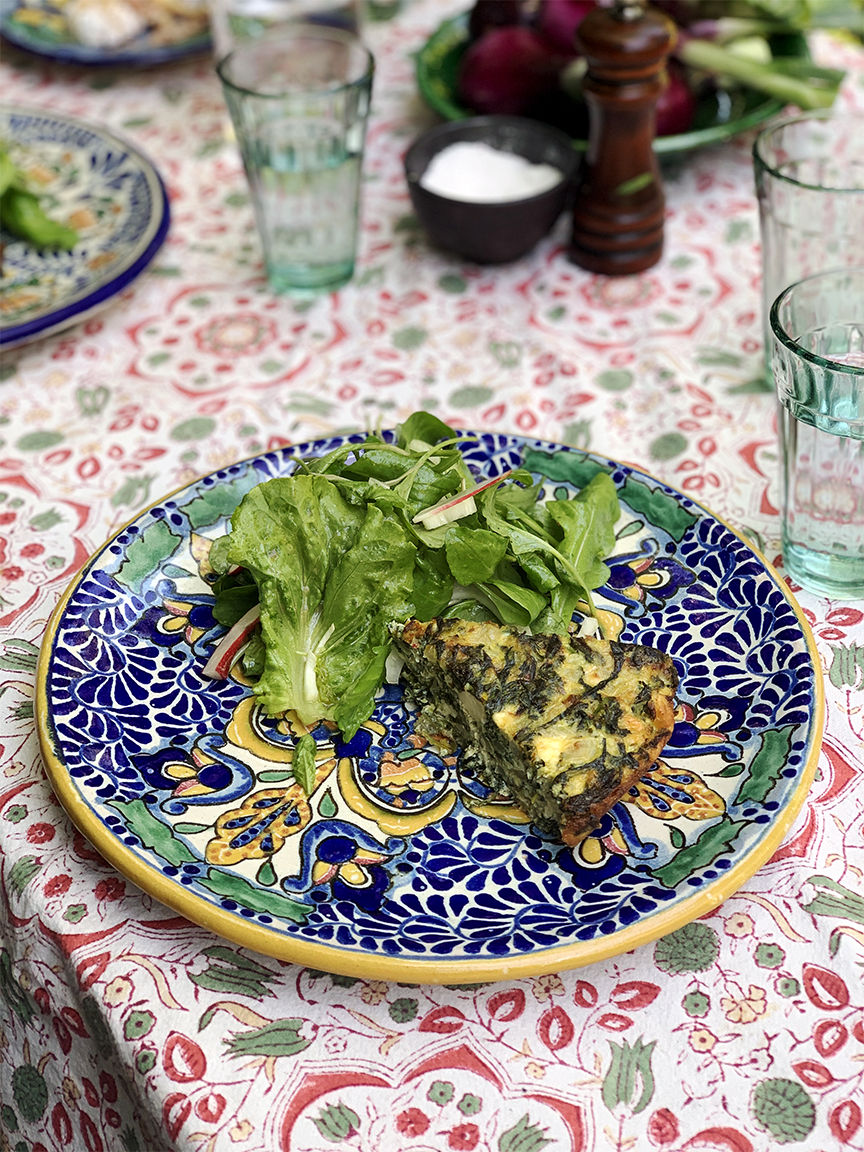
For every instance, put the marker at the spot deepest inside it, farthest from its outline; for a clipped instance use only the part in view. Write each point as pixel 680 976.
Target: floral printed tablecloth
pixel 124 1026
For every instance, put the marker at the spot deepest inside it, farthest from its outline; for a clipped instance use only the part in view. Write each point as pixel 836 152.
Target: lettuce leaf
pixel 330 576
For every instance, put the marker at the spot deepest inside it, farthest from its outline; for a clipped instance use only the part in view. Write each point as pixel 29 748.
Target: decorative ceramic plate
pixel 41 27
pixel 720 114
pixel 399 864
pixel 104 188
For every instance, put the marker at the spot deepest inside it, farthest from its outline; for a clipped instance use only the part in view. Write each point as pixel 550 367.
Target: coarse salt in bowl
pixel 490 204
pixel 474 171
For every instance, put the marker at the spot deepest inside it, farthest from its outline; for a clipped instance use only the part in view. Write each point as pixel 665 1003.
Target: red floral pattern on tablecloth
pixel 125 1027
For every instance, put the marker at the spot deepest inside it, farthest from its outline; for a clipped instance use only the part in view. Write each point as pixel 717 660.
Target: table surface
pixel 126 1027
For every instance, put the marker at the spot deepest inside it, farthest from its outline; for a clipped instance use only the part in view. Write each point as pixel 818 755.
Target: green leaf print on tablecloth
pixel 195 428
pixel 847 667
pixel 523 1137
pixel 471 396
pixel 17 999
pixel 844 903
pixel 337 1122
pixel 22 872
pixel 278 1038
pixel 667 446
pixel 42 521
pixel 92 401
pixel 39 441
pixel 133 490
pixel 403 1010
pixel 696 1004
pixel 837 901
pixel 619 1084
pixel 19 656
pixel 615 379
pixel 693 948
pixel 784 1109
pixel 29 1092
pixel 234 973
pixel 407 339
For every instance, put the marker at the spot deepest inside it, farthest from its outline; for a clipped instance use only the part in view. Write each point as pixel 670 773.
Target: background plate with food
pixel 128 32
pixel 105 191
pixel 377 855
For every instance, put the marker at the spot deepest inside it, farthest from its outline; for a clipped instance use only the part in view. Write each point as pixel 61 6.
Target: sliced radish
pixel 437 518
pixel 228 648
pixel 455 507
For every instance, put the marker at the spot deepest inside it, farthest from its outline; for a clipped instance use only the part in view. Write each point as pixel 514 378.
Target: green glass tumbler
pixel 817 326
pixel 809 172
pixel 299 102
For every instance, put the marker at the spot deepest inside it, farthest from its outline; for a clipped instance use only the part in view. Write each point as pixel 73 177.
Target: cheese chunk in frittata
pixel 564 724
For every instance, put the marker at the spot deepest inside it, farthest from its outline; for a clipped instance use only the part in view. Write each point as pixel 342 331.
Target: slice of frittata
pixel 564 724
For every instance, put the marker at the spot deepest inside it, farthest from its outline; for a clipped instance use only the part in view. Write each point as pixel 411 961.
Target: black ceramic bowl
pixel 493 233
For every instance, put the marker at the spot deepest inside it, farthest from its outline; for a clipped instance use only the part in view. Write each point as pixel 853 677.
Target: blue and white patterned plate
pixel 41 27
pixel 400 865
pixel 104 188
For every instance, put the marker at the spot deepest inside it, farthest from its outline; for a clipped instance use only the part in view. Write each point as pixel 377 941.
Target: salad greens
pixel 333 556
pixel 23 215
pixel 730 39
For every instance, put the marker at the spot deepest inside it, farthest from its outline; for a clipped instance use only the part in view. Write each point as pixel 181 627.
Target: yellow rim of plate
pixel 375 966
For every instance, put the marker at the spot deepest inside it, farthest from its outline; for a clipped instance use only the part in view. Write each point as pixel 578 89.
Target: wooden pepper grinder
pixel 619 204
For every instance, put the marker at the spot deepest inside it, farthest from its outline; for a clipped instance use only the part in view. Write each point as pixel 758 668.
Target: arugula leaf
pixel 425 427
pixel 471 610
pixel 588 525
pixel 330 461
pixel 522 492
pixel 521 539
pixel 383 463
pixel 434 475
pixel 235 595
pixel 433 583
pixel 538 574
pixel 473 554
pixel 513 603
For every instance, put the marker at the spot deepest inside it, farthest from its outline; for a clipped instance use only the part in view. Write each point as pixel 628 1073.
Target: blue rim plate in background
pixel 108 191
pixel 41 37
pixel 399 865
